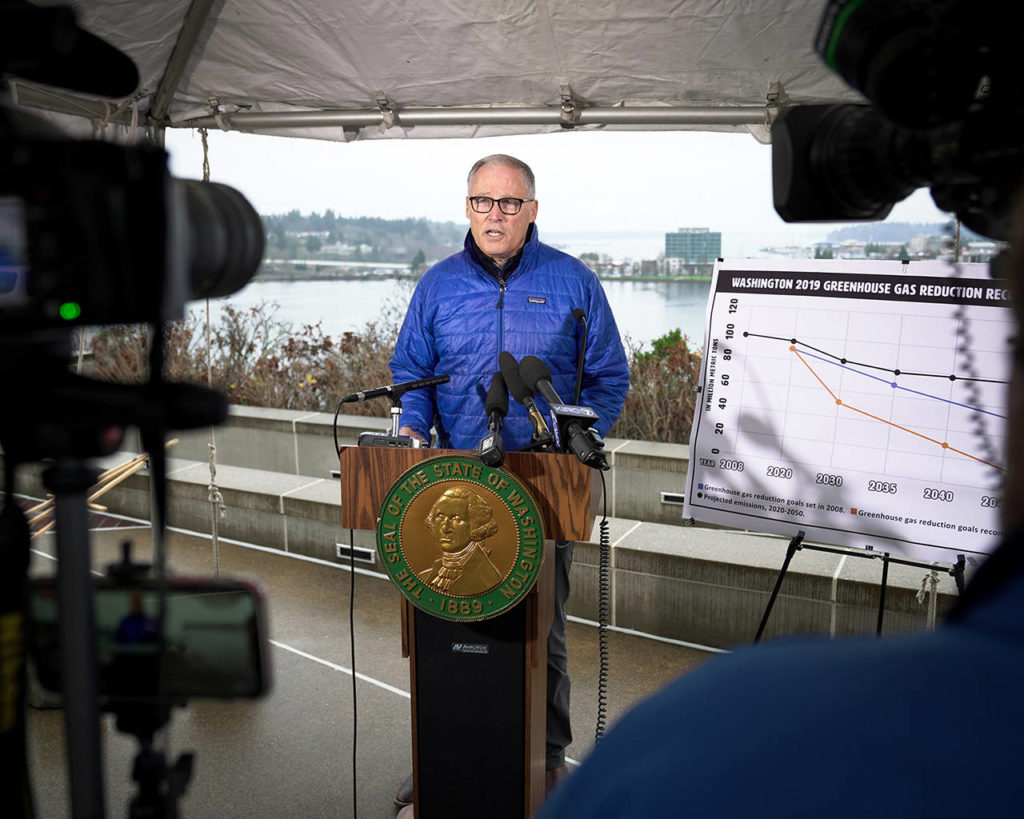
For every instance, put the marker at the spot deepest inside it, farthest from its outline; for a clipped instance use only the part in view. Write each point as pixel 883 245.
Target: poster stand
pixel 796 544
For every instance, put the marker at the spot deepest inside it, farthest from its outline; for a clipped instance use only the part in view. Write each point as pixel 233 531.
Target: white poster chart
pixel 862 402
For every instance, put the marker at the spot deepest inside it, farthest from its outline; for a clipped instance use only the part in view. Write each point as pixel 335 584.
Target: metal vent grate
pixel 359 553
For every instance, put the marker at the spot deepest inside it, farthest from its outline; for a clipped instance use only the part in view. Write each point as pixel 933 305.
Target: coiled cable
pixel 603 612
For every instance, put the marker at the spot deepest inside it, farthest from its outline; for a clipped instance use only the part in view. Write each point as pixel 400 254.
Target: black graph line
pixel 896 386
pixel 844 360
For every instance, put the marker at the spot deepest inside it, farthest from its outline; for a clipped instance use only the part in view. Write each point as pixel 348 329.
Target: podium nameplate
pixel 459 539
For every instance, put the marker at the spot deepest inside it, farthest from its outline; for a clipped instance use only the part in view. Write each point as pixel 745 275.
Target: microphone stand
pixel 396 414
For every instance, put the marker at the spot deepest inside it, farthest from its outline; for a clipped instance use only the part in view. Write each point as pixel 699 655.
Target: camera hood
pixel 45 44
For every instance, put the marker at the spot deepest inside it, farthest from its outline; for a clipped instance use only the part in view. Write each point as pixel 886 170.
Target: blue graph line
pixel 894 385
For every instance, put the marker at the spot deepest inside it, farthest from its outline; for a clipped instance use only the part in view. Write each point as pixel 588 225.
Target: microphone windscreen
pixel 579 315
pixel 513 380
pixel 533 371
pixel 497 397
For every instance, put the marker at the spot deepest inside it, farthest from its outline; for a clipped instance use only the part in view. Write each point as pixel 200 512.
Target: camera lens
pixel 226 239
pixel 919 61
pixel 864 162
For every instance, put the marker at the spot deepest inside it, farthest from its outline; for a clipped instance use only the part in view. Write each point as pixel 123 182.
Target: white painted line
pixel 280 553
pixel 295 438
pixel 341 668
pixel 645 635
pixel 632 529
pixel 283 495
pixel 611 462
pixel 51 557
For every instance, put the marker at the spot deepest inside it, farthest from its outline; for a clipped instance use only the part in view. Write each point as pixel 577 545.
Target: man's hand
pixel 411 433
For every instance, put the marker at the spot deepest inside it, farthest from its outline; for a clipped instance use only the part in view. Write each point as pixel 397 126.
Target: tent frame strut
pixel 192 28
pixel 353 118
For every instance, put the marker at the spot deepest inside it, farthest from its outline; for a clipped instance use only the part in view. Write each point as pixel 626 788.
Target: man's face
pixel 500 236
pixel 451 524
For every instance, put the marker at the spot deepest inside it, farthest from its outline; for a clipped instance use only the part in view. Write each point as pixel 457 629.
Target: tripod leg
pixel 794 545
pixel 69 480
pixel 881 596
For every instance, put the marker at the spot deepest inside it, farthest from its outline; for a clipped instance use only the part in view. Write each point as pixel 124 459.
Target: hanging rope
pixel 217 508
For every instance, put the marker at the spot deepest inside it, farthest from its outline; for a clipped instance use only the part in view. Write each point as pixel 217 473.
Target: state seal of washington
pixel 460 539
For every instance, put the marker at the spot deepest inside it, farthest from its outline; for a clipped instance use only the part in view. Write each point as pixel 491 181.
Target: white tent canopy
pixel 336 69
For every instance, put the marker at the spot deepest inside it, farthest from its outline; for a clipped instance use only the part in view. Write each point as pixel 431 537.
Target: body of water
pixel 643 310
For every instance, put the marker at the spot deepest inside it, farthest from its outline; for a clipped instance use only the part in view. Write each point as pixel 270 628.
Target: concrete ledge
pixel 302 443
pixel 290 441
pixel 706 586
pixel 712 586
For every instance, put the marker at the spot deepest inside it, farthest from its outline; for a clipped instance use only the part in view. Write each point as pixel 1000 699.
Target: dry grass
pixel 259 360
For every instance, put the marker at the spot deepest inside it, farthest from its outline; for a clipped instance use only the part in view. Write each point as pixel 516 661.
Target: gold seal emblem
pixel 461 540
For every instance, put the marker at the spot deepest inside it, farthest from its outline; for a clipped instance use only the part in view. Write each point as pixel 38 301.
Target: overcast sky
pixel 586 181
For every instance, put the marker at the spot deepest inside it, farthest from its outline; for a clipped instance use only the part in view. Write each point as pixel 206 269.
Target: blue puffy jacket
pixel 460 319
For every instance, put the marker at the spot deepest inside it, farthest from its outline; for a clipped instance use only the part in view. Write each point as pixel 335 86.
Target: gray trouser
pixel 559 733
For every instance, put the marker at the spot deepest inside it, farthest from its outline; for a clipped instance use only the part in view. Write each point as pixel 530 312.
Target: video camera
pixel 948 111
pixel 95 233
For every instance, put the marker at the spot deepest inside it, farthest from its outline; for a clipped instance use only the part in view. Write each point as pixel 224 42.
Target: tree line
pixel 330 236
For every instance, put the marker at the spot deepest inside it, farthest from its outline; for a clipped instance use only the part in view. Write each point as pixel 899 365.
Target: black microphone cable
pixel 334 428
pixel 352 660
pixel 603 612
pixel 581 317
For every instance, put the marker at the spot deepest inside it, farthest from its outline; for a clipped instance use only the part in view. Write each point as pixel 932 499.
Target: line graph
pixel 832 357
pixel 847 400
pixel 896 386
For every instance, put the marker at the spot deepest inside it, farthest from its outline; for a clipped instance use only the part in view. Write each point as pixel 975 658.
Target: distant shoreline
pixel 338 275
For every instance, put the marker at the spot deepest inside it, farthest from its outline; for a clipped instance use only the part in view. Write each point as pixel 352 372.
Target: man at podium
pixel 507 291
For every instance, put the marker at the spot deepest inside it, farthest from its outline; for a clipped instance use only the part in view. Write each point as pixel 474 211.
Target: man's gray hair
pixel 508 162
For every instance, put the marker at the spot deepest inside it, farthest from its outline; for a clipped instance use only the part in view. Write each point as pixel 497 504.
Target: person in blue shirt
pixel 506 291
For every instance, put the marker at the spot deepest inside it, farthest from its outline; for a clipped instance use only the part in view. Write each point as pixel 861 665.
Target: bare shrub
pixel 257 359
pixel 662 390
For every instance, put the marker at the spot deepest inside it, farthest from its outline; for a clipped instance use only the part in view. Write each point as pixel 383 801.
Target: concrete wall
pixel 302 443
pixel 701 585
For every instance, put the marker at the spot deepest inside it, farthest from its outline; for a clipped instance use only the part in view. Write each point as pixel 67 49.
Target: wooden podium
pixel 478 689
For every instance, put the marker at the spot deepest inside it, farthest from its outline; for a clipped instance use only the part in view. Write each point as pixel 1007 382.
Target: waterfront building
pixel 693 245
pixel 692 251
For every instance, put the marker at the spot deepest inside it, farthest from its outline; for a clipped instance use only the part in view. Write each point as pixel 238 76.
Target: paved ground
pixel 291 753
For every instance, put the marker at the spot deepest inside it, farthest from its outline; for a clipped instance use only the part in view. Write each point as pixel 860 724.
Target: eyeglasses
pixel 508 205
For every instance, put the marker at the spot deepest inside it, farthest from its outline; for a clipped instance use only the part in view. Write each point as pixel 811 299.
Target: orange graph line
pixel 841 403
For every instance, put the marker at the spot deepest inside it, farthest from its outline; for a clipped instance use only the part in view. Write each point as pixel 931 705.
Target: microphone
pixel 581 317
pixel 396 391
pixel 491 449
pixel 542 436
pixel 573 422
